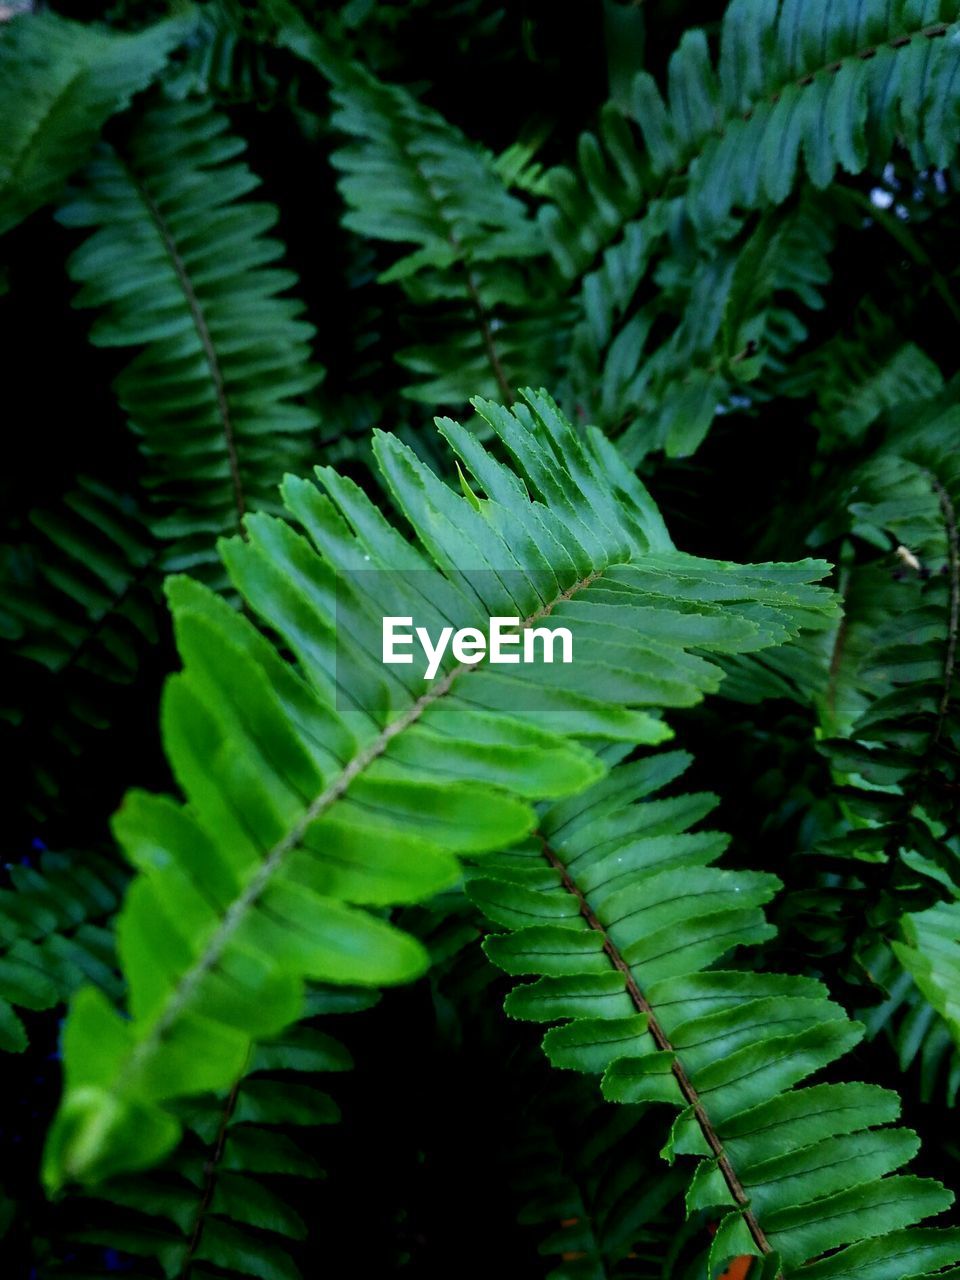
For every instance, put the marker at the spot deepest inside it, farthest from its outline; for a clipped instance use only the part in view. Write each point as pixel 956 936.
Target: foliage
pixel 55 941
pixel 181 268
pixel 312 790
pixel 242 238
pixel 623 947
pixel 62 82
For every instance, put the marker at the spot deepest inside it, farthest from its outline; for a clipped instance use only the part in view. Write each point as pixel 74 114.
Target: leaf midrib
pixel 203 334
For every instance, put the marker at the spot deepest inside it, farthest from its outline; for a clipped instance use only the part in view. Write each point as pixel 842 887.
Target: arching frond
pixel 818 87
pixel 219 1199
pixel 318 791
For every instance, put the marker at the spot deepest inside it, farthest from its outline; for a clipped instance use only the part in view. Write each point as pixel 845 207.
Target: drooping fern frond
pixel 60 81
pixel 317 790
pixel 834 84
pixel 898 762
pixel 54 925
pixel 883 687
pixel 181 267
pixel 221 1199
pixel 796 86
pixel 617 909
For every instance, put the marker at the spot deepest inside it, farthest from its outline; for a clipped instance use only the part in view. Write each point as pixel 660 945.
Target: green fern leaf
pixel 318 790
pixel 182 269
pixel 598 1209
pixel 60 82
pixel 858 376
pixel 796 85
pixel 80 610
pixel 931 955
pixel 913 1026
pixel 630 917
pixel 217 1198
pixel 79 595
pixel 409 177
pixel 733 309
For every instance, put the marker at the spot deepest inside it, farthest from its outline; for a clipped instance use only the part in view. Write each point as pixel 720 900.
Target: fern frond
pixel 883 685
pixel 818 86
pixel 615 905
pixel 601 200
pixel 583 1172
pixel 229 57
pixel 55 937
pixel 904 503
pixel 734 311
pixel 80 596
pixel 60 81
pixel 859 375
pixel 914 1027
pixel 318 790
pixel 836 85
pixel 220 1200
pixel 588 1192
pixel 408 177
pixel 181 267
pixel 931 955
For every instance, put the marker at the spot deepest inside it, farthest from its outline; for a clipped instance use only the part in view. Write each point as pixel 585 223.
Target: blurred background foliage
pixel 238 236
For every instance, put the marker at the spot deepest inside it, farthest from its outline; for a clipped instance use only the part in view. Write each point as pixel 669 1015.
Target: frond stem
pixel 211 1169
pixel 487 335
pixel 486 332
